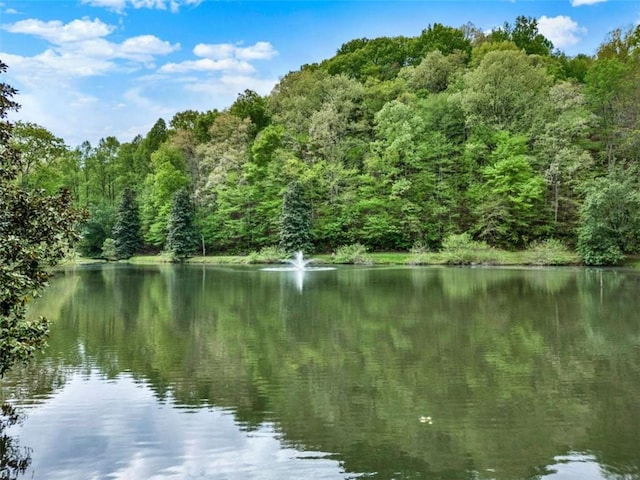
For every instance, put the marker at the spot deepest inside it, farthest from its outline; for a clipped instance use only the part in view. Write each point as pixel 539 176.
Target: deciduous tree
pixel 35 233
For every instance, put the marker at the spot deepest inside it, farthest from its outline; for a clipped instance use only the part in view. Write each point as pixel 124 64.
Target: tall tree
pixel 295 221
pixel 504 92
pixel 182 234
pixel 524 33
pixel 36 231
pixel 610 219
pixel 39 149
pixel 126 231
pixel 252 106
pixel 511 209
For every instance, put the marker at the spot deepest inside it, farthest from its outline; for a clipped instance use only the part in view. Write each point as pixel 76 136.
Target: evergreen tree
pixel 126 231
pixel 295 220
pixel 182 234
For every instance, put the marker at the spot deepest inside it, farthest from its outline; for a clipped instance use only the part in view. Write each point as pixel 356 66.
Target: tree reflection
pixel 14 459
pixel 516 366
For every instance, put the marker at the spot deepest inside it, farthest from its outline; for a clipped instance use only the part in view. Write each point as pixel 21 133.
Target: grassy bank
pixel 460 251
pixel 495 257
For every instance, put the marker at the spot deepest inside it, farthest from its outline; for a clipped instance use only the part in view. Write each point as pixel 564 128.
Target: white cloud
pixel 231 85
pixel 58 33
pixel 214 52
pixel 79 49
pixel 578 3
pixel 145 47
pixel 563 31
pixel 120 5
pixel 225 57
pixel 258 51
pixel 208 65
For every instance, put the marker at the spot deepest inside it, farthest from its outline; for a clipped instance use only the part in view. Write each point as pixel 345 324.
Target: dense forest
pixel 393 143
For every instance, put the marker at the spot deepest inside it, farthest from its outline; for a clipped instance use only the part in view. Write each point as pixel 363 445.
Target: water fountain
pixel 299 265
pixel 298 261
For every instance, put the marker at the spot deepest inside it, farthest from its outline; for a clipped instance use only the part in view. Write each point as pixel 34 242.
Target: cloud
pixel 208 65
pixel 563 31
pixel 120 5
pixel 578 3
pixel 58 33
pixel 231 85
pixel 145 47
pixel 258 51
pixel 225 57
pixel 78 48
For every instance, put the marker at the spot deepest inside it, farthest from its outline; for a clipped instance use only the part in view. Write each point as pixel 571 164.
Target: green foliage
pixel 446 40
pixel 182 234
pixel 267 255
pixel 109 251
pixel 461 249
pixel 126 232
pixel 295 221
pixel 511 209
pixel 167 177
pixel 610 220
pixel 550 252
pixel 356 253
pixel 504 92
pixel 36 231
pixel 95 230
pixel 380 58
pixel 524 34
pixel 251 105
pixel 396 140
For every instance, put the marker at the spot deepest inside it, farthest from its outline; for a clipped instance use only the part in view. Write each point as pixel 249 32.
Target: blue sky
pixel 88 69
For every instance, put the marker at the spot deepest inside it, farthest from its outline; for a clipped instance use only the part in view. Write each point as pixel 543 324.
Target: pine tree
pixel 295 221
pixel 182 234
pixel 126 231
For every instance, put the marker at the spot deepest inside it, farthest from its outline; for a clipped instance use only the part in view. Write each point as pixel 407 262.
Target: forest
pixel 394 143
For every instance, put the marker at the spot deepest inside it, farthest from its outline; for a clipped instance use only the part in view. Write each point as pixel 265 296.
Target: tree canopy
pixel 396 141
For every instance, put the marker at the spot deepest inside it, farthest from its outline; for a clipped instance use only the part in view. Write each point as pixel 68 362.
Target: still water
pixel 206 372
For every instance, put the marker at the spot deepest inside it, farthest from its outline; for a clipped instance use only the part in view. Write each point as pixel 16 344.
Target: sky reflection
pixel 95 428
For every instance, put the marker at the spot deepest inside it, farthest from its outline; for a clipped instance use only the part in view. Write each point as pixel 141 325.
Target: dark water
pixel 379 373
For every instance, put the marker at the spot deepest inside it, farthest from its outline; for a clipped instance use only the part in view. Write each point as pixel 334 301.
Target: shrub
pixel 461 249
pixel 109 249
pixel 267 255
pixel 355 253
pixel 549 252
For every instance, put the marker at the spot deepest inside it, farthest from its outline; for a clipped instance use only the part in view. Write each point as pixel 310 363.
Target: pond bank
pixel 494 258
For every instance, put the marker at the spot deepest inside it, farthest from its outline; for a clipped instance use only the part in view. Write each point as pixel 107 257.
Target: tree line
pixel 394 143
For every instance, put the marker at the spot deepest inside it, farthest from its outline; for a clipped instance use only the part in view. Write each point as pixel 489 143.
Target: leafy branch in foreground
pixel 36 231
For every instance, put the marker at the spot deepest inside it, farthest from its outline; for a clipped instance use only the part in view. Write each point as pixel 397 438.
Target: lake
pixel 208 372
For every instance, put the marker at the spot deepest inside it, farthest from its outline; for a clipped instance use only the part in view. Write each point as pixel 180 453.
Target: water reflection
pixel 138 437
pixel 14 459
pixel 231 373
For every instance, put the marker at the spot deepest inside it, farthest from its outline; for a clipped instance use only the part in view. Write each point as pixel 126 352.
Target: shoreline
pixel 499 259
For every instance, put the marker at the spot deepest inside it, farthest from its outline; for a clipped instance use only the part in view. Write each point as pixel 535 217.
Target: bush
pixel 549 252
pixel 355 253
pixel 109 249
pixel 461 249
pixel 267 255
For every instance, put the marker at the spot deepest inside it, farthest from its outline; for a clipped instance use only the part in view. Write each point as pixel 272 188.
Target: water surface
pixel 384 373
